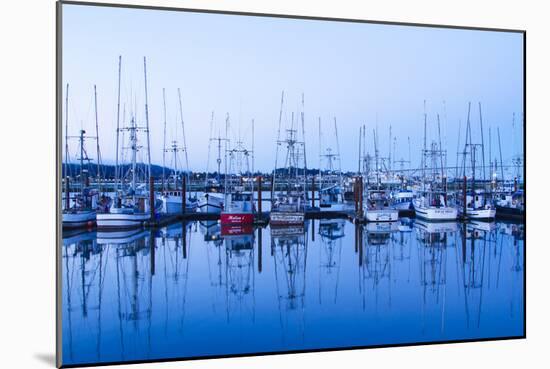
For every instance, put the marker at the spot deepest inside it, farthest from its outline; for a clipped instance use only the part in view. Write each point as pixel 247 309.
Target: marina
pixel 229 190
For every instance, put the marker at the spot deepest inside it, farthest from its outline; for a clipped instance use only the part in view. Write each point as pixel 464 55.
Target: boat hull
pixel 480 214
pixel 122 221
pixel 79 219
pixel 438 214
pixel 382 215
pixel 506 212
pixel 286 218
pixel 172 205
pixel 236 218
pixel 211 204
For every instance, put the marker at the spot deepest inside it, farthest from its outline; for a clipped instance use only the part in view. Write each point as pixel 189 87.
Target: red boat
pixel 240 208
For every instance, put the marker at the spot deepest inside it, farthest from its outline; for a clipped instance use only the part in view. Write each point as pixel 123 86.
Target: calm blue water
pixel 186 291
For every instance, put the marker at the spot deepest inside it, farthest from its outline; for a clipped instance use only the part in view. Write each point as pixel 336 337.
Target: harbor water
pixel 196 290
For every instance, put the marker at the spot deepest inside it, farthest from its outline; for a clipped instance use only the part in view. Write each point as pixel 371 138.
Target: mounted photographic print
pixel 235 184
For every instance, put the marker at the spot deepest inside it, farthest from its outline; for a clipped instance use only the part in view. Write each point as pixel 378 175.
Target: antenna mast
pixel 98 153
pixel 117 126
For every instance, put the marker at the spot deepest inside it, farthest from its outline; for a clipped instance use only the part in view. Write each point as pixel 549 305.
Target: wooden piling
pixel 515 184
pixel 152 197
pixel 259 248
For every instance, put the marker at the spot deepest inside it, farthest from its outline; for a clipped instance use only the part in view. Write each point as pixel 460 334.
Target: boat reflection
pixel 198 288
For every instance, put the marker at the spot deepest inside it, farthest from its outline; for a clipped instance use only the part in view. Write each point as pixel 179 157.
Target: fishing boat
pixel 289 203
pixel 377 204
pixel 173 198
pixel 402 199
pixel 239 197
pixel 80 210
pixel 132 204
pixel 478 206
pixel 431 202
pixel 433 206
pixel 510 205
pixel 330 178
pixel 212 201
pixel 475 203
pixel 377 207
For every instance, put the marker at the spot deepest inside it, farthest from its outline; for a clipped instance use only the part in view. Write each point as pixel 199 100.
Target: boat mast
pixel 253 147
pixel 482 144
pixel 184 140
pixel 375 138
pixel 304 144
pixel 321 156
pixel 338 153
pixel 98 153
pixel 147 123
pixel 440 147
pixel 423 159
pixel 164 138
pixel 225 150
pixel 209 146
pixel 500 152
pixel 278 144
pixel 117 127
pixel 359 158
pixel 67 133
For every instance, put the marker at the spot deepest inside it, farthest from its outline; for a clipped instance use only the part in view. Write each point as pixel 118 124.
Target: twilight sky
pixel 378 75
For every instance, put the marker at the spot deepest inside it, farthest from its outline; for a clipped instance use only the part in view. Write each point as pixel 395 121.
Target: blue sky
pixel 359 73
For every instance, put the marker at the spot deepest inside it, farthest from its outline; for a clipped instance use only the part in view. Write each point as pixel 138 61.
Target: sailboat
pixel 288 206
pixel 213 201
pixel 81 212
pixel 431 203
pixel 239 200
pixel 132 205
pixel 172 199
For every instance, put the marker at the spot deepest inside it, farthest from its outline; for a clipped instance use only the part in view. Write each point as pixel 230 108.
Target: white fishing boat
pixel 239 207
pixel 172 203
pixel 211 203
pixel 477 206
pixel 474 203
pixel 132 204
pixel 79 210
pixel 331 197
pixel 288 209
pixel 377 207
pixel 431 202
pixel 432 206
pixel 173 195
pixel 289 203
